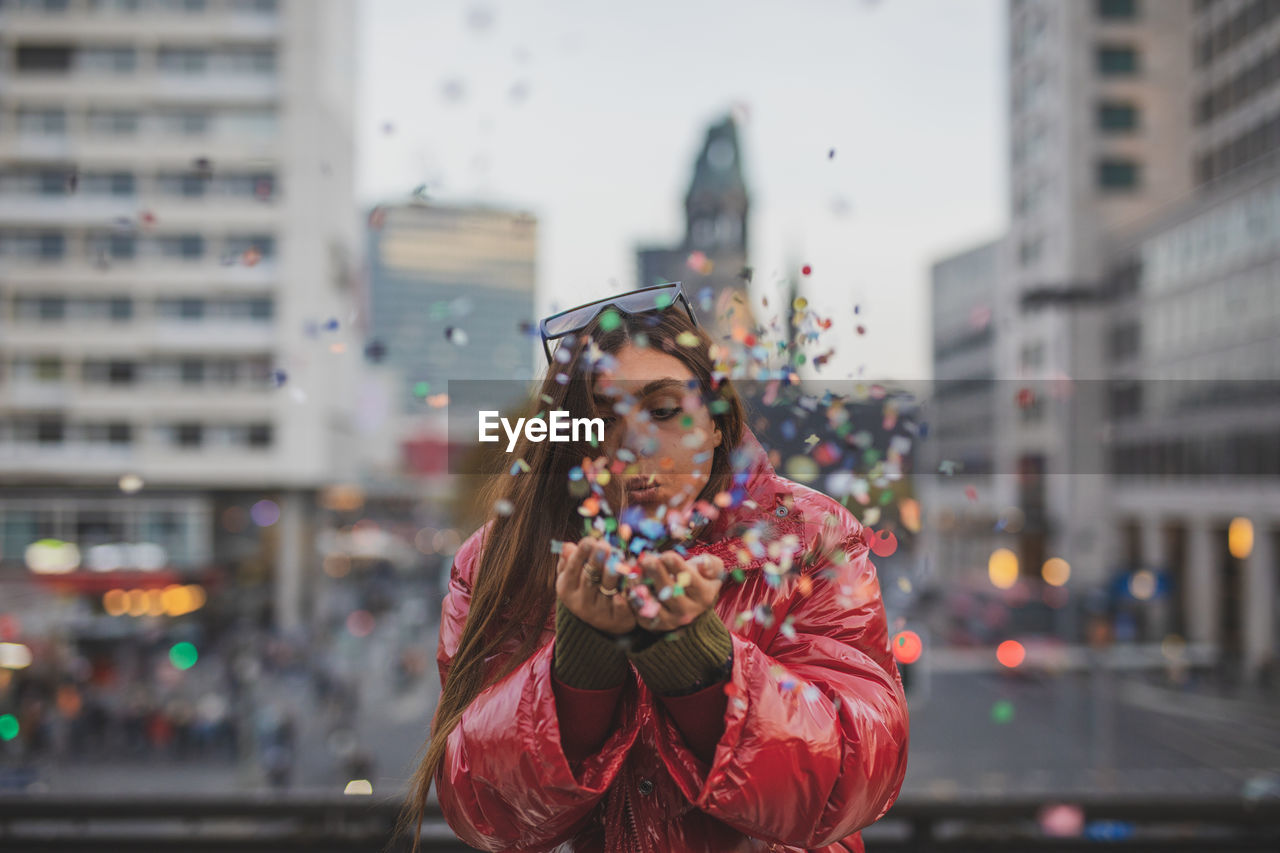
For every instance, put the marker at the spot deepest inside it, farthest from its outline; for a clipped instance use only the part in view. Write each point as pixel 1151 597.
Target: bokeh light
pixel 907 646
pixel 1142 584
pixel 1055 571
pixel 360 623
pixel 14 656
pixel 8 727
pixel 1011 653
pixel 1002 568
pixel 183 655
pixel 1240 537
pixel 265 513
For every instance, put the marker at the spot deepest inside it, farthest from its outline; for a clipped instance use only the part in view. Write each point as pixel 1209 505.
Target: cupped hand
pixel 699 579
pixel 583 596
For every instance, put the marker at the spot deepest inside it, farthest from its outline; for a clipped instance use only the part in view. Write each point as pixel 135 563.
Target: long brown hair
pixel 514 578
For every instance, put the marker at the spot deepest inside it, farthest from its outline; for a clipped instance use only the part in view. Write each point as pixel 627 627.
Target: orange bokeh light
pixel 907 647
pixel 1010 653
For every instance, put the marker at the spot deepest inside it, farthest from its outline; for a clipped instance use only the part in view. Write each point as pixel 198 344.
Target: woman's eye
pixel 664 414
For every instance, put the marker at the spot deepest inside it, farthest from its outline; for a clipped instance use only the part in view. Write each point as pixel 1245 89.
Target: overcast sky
pixel 589 115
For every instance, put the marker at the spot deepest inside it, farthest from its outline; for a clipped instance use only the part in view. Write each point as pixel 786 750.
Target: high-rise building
pixel 451 295
pixel 712 259
pixel 1100 138
pixel 177 233
pixel 1135 323
pixel 955 478
pixel 1193 350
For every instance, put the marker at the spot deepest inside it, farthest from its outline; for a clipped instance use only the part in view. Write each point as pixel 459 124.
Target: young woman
pixel 708 669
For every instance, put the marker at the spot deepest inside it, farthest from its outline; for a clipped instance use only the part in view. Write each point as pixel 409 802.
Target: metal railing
pixel 347 824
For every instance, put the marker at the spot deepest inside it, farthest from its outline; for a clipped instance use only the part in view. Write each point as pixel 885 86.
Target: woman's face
pixel 662 422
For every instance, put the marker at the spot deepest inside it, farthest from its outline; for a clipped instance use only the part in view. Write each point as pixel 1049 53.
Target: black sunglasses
pixel 659 297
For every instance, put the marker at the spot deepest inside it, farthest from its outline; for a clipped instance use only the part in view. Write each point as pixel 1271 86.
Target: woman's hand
pixel 577 567
pixel 699 578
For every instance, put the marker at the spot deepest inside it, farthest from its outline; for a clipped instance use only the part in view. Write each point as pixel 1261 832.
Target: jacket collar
pixel 749 458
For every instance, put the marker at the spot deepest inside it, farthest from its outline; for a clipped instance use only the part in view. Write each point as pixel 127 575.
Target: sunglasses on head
pixel 659 297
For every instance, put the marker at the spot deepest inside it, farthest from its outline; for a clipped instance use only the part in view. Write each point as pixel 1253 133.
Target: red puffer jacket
pixel 815 733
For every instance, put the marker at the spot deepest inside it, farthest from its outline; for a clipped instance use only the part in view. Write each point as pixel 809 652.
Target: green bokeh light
pixel 183 655
pixel 1002 711
pixel 8 727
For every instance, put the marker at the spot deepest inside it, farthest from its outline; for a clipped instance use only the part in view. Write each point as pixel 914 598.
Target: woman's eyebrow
pixel 648 388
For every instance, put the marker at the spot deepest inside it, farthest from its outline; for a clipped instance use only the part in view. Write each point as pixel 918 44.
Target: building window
pixel 258 7
pixel 48 369
pixel 181 60
pixel 43 58
pixel 1117 61
pixel 42 122
pixel 259 435
pixel 187 185
pixel 1114 117
pixel 188 435
pixel 50 431
pixel 1029 250
pixel 49 7
pixel 113 123
pixel 1117 10
pixel 1033 355
pixel 112 60
pixel 1124 340
pixel 192 371
pixel 1118 174
pixel 185 246
pixel 261 309
pixel 110 183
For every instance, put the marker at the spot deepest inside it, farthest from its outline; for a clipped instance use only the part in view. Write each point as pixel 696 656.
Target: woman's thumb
pixel 710 566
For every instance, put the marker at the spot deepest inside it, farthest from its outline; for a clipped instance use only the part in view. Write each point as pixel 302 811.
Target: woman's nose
pixel 635 435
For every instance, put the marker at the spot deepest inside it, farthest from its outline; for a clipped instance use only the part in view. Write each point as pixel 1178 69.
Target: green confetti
pixel 610 320
pixel 1002 711
pixel 8 727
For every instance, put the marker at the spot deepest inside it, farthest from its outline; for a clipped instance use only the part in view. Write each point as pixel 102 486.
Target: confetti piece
pixel 688 339
pixel 557 546
pixel 503 507
pixel 520 466
pixel 883 543
pixel 971 493
pixel 456 336
pixel 610 320
pixel 806 269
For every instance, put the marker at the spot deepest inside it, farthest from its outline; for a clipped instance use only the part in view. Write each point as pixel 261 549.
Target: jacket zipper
pixel 631 817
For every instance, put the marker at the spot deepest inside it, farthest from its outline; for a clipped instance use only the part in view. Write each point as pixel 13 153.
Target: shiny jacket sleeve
pixel 816 726
pixel 505 783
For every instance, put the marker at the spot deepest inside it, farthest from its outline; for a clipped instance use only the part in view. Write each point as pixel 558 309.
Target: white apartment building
pixel 177 235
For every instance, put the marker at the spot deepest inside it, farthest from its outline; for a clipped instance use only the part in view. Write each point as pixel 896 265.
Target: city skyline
pixel 488 103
